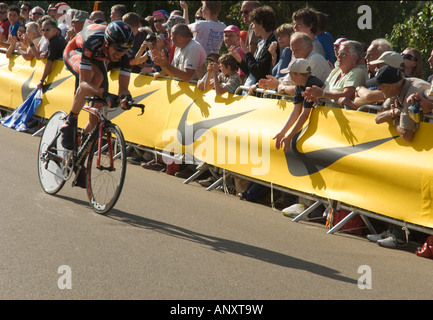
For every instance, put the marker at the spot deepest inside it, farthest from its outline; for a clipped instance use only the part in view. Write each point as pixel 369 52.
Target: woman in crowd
pixel 257 66
pixel 413 63
pixel 343 81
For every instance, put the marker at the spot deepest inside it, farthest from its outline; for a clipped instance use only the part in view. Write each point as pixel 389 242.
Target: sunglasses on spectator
pixel 245 12
pixel 46 30
pixel 409 57
pixel 38 13
pixel 159 21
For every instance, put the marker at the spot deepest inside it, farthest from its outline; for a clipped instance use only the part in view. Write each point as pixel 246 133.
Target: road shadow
pixel 229 246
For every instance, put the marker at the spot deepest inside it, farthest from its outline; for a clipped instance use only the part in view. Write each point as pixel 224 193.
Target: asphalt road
pixel 169 241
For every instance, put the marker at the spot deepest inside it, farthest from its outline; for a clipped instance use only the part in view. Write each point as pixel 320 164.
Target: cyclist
pixel 89 56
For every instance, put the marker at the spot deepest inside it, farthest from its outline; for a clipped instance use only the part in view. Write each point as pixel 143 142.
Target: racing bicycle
pixel 104 148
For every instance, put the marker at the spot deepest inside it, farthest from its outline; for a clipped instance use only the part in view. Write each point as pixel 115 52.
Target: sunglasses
pixel 245 12
pixel 46 30
pixel 38 13
pixel 160 21
pixel 409 57
pixel 121 49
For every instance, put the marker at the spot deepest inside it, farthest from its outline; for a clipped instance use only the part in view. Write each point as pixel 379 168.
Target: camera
pixel 151 38
pixel 415 112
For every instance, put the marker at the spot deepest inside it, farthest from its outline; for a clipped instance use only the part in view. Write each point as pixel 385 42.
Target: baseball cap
pixel 233 28
pixel 172 21
pixel 391 58
pixel 80 15
pixel 388 75
pixel 340 41
pixel 298 66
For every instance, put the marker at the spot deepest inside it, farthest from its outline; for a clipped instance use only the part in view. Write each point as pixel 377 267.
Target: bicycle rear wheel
pixel 106 170
pixel 50 168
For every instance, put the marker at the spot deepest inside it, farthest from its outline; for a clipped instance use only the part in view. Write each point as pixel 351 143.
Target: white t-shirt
pixel 209 34
pixel 192 56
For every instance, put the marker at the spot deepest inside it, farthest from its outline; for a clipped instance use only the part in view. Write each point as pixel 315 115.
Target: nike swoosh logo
pixel 26 90
pixel 305 164
pixel 188 134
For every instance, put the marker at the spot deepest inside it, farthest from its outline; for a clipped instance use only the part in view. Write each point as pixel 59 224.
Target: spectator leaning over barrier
pixel 306 20
pixel 209 33
pixel 227 80
pixel 302 47
pixel 258 65
pixel 55 48
pixel 343 80
pixel 117 12
pixel 413 63
pixel 36 13
pixel 300 73
pixel 401 93
pixel 189 58
pixel 252 40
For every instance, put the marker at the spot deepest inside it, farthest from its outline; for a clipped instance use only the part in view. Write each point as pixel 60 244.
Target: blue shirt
pixel 13 29
pixel 327 42
pixel 286 57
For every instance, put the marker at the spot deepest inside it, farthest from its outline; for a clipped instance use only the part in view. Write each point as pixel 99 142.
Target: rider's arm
pixel 124 84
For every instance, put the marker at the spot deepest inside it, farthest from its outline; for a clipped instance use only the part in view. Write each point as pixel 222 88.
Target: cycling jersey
pixel 88 48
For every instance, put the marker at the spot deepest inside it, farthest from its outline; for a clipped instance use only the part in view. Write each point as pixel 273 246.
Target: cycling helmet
pixel 119 35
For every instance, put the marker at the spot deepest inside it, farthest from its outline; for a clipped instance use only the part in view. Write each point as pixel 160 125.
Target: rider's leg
pixel 84 89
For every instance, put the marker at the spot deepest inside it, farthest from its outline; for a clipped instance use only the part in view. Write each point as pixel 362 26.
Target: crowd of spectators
pixel 298 58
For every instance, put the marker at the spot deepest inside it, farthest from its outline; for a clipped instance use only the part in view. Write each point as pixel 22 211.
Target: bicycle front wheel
pixel 51 153
pixel 106 169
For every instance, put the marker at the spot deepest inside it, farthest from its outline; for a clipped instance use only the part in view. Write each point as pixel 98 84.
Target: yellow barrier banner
pixel 340 155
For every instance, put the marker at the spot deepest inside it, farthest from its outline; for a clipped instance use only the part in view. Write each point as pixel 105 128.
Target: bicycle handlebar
pixel 129 105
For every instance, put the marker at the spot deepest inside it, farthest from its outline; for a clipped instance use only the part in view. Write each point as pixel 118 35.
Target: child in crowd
pixel 300 73
pixel 226 81
pixel 209 33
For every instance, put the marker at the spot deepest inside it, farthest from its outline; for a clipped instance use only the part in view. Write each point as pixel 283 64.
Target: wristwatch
pixel 283 90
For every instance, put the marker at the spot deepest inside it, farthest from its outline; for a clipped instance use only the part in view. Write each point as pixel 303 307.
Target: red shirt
pixel 5 25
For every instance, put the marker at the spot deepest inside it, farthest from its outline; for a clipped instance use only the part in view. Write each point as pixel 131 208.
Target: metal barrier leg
pixel 194 176
pixel 306 212
pixel 342 222
pixel 38 132
pixel 368 224
pixel 215 184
